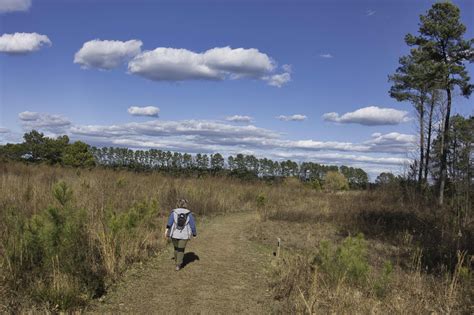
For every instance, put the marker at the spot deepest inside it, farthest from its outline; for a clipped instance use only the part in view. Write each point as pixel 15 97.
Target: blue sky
pixel 305 58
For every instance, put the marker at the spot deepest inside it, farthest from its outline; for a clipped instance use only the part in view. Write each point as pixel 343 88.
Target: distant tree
pixel 34 145
pixel 231 162
pixel 217 162
pixel 334 181
pixel 385 178
pixel 54 148
pixel 239 161
pixel 37 147
pixel 202 161
pixel 13 151
pixel 356 177
pixel 78 154
pixel 251 163
pixel 187 161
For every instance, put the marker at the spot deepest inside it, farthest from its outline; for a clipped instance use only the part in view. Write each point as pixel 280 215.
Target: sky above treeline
pixel 300 80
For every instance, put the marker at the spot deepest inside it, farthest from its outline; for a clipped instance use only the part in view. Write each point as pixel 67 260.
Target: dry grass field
pixel 67 235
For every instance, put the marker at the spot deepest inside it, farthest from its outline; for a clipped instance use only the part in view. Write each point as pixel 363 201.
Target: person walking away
pixel 180 228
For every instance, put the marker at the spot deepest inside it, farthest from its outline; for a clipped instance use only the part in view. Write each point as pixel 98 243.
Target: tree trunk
pixel 444 152
pixel 422 143
pixel 428 140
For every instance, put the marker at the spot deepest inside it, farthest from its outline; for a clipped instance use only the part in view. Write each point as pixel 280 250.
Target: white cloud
pixel 151 111
pixel 326 55
pixel 172 64
pixel 239 118
pixel 14 5
pixel 196 128
pixel 278 80
pixel 106 54
pixel 4 130
pixel 34 120
pixel 370 12
pixel 239 62
pixel 392 142
pixel 22 43
pixel 370 116
pixel 341 158
pixel 28 116
pixel 296 117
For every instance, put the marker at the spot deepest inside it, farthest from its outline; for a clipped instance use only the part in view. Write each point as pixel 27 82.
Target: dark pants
pixel 179 246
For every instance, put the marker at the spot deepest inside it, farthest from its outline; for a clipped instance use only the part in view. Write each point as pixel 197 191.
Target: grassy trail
pixel 225 274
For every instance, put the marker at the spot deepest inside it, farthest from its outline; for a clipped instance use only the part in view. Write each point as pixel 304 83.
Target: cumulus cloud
pixel 296 117
pixel 172 64
pixel 239 118
pixel 34 120
pixel 326 55
pixel 151 111
pixel 14 5
pixel 106 54
pixel 370 116
pixel 4 130
pixel 238 62
pixel 278 80
pixel 22 43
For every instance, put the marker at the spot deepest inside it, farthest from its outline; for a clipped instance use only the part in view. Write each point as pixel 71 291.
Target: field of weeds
pixel 367 252
pixel 67 234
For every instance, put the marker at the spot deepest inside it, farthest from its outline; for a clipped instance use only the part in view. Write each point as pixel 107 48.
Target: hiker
pixel 181 227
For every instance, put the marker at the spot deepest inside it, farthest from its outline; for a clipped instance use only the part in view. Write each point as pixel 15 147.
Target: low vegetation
pixel 66 234
pixel 367 252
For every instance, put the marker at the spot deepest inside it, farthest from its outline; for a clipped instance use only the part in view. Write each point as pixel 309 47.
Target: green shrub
pixel 335 181
pixel 127 221
pixel 51 255
pixel 261 201
pixel 382 284
pixel 121 182
pixel 62 193
pixel 316 185
pixel 345 262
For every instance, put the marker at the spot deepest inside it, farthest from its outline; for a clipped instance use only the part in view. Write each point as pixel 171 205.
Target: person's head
pixel 182 203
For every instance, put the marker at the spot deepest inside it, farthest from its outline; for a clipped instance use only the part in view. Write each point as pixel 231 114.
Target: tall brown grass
pixel 66 234
pixel 407 257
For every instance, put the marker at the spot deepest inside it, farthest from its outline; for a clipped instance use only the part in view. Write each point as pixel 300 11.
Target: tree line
pixel 38 148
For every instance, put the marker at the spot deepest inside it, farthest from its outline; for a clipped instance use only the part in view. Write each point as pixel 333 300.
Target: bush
pixel 347 261
pixel 51 255
pixel 335 181
pixel 382 284
pixel 62 193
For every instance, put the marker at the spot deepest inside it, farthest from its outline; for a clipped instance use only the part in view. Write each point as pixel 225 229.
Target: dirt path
pixel 225 274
